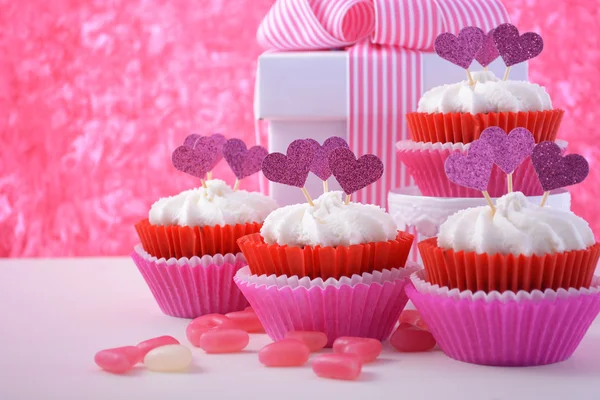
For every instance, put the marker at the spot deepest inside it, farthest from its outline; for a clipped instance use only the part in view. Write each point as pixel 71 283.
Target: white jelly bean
pixel 169 358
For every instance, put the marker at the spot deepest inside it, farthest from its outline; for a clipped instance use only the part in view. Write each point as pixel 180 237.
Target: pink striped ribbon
pixel 386 39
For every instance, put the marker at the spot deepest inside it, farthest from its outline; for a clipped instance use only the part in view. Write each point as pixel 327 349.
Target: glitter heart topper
pixel 488 52
pixel 473 169
pixel 218 139
pixel 462 49
pixel 196 161
pixel 320 164
pixel 515 49
pixel 556 171
pixel 291 168
pixel 353 174
pixel 243 161
pixel 509 150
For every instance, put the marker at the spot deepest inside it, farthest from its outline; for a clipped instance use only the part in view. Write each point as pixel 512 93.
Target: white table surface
pixel 55 314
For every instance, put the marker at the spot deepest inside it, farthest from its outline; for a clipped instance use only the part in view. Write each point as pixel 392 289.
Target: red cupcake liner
pixel 425 162
pixel 325 262
pixel 466 127
pixel 186 241
pixel 467 270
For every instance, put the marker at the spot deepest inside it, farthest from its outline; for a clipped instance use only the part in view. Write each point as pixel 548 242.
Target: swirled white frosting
pixel 218 204
pixel 329 223
pixel 517 227
pixel 490 94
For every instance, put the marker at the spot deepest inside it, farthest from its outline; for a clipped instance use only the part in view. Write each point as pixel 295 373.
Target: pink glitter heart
pixel 196 162
pixel 190 140
pixel 509 150
pixel 473 169
pixel 556 171
pixel 242 161
pixel 292 168
pixel 219 140
pixel 353 174
pixel 488 52
pixel 320 164
pixel 460 50
pixel 515 49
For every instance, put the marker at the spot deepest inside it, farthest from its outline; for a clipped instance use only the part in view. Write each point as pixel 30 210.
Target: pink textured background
pixel 94 95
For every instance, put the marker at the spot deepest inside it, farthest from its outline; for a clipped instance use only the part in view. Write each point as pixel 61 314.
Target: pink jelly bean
pixel 205 323
pixel 366 349
pixel 224 341
pixel 246 320
pixel 153 343
pixel 337 366
pixel 413 317
pixel 410 339
pixel 314 340
pixel 284 353
pixel 118 360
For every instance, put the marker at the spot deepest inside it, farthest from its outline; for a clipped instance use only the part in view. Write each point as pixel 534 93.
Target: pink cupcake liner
pixel 425 162
pixel 366 305
pixel 191 287
pixel 508 328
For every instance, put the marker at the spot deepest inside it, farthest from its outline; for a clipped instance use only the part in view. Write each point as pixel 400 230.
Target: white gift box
pixel 305 95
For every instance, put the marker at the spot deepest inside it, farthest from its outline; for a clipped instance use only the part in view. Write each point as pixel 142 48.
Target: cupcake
pixel 327 257
pixel 188 253
pixel 458 113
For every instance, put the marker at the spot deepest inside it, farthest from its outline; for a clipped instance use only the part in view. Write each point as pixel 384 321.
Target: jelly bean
pixel 153 343
pixel 249 309
pixel 284 353
pixel 168 358
pixel 224 341
pixel 412 317
pixel 118 360
pixel 314 340
pixel 337 366
pixel 408 338
pixel 366 349
pixel 246 320
pixel 205 323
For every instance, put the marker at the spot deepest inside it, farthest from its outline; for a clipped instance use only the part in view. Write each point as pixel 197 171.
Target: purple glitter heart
pixel 509 150
pixel 488 52
pixel 460 50
pixel 556 171
pixel 320 164
pixel 515 49
pixel 218 139
pixel 353 174
pixel 292 168
pixel 242 161
pixel 190 140
pixel 195 162
pixel 473 169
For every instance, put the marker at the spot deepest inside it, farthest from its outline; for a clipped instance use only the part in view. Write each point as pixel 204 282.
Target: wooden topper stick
pixel 510 183
pixel 544 199
pixel 307 195
pixel 209 175
pixel 485 68
pixel 347 201
pixel 203 183
pixel 489 200
pixel 325 187
pixel 236 185
pixel 470 78
pixel 506 73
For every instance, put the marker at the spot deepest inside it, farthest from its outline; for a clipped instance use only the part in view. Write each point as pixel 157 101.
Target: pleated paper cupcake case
pixel 366 305
pixel 506 329
pixel 188 288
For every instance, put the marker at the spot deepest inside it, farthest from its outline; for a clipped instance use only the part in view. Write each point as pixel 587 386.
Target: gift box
pixel 359 87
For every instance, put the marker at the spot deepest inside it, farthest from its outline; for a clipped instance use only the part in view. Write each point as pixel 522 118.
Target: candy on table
pixel 118 360
pixel 153 343
pixel 314 340
pixel 284 353
pixel 169 358
pixel 337 366
pixel 412 317
pixel 246 320
pixel 205 323
pixel 366 349
pixel 224 341
pixel 410 339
